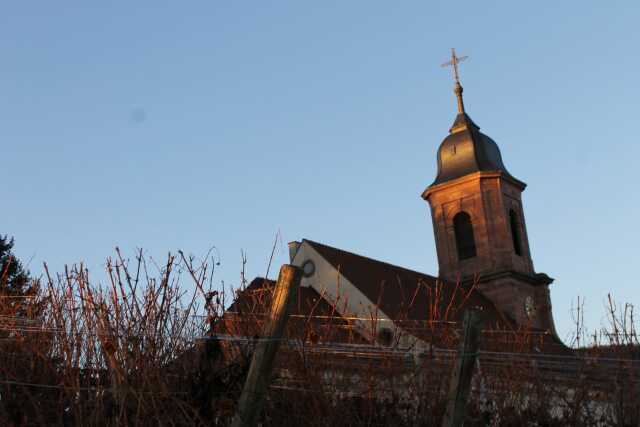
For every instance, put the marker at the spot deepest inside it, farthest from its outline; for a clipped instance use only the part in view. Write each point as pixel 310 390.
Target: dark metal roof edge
pixel 483 174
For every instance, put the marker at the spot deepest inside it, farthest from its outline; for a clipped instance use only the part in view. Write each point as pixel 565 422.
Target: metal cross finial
pixel 457 88
pixel 455 60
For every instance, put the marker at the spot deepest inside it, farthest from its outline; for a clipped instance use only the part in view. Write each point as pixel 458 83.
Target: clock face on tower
pixel 529 307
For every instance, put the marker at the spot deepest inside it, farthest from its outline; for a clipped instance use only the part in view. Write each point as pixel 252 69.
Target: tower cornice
pixel 472 177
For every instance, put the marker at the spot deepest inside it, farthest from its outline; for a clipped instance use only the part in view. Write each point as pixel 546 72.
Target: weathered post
pixel 255 386
pixel 463 371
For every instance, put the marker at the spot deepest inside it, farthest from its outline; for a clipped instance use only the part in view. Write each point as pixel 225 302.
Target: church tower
pixel 478 221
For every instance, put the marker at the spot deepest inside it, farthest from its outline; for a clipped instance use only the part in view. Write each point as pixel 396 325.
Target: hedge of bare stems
pixel 153 346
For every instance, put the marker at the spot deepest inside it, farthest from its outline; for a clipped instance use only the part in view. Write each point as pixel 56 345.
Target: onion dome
pixel 466 150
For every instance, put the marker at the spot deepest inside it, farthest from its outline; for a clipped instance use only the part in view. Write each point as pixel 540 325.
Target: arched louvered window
pixel 465 242
pixel 515 232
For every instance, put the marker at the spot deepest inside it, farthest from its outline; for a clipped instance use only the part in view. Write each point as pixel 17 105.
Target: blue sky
pixel 182 125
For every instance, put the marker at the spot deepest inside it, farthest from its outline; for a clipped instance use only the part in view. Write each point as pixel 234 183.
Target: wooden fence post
pixel 255 385
pixel 463 371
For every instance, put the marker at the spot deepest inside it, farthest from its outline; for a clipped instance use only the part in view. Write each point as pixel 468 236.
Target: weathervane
pixel 457 88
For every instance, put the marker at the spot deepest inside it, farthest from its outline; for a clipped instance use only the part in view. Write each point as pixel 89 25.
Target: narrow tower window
pixel 515 232
pixel 465 241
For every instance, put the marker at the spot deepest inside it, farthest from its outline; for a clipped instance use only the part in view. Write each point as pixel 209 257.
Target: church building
pixel 483 253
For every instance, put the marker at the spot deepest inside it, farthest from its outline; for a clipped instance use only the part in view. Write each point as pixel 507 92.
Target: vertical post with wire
pixel 460 385
pixel 255 386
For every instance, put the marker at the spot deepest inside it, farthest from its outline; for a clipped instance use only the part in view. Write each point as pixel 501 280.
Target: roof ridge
pixel 312 242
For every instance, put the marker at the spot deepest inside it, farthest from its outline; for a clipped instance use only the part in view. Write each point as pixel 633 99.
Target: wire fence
pixel 141 351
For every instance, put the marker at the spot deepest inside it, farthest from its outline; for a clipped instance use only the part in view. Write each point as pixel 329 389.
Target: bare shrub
pixel 118 354
pixel 156 344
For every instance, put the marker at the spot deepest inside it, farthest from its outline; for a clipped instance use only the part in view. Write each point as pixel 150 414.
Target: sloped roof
pixel 256 299
pixel 406 294
pixel 425 306
pixel 310 315
pixel 411 297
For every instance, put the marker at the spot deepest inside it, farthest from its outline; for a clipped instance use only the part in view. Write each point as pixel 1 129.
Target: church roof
pixel 466 150
pixel 309 312
pixel 413 300
pixel 403 293
pixel 411 297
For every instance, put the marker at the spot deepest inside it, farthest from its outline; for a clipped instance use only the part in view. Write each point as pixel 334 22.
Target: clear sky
pixel 182 125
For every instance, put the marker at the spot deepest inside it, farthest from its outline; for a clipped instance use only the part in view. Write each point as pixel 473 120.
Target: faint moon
pixel 138 115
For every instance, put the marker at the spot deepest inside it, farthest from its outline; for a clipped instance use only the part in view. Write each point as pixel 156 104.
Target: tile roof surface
pixel 406 293
pixel 409 297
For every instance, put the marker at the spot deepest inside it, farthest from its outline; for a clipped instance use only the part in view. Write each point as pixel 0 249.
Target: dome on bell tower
pixel 466 150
